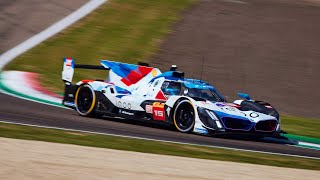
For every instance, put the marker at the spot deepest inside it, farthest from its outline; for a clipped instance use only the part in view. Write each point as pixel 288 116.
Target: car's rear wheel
pixel 184 116
pixel 85 100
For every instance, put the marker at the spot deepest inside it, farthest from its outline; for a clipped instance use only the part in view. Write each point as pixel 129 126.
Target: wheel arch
pixel 173 101
pixel 90 111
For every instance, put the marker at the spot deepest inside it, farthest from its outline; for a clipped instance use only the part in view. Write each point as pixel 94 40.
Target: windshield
pixel 170 88
pixel 207 94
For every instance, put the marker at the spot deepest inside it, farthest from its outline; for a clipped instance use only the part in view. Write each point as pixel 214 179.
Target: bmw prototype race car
pixel 141 92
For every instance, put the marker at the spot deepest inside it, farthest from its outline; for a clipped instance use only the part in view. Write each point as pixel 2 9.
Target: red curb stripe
pixel 33 80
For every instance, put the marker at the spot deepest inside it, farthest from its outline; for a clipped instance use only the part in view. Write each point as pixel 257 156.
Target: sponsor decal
pixel 230 109
pixel 233 105
pixel 220 105
pixel 149 109
pixel 205 102
pixel 124 105
pixel 156 83
pixel 158 111
pixel 254 115
pixel 126 112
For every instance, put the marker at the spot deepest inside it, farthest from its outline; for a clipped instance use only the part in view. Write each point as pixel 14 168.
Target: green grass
pixel 120 30
pixel 145 146
pixel 301 126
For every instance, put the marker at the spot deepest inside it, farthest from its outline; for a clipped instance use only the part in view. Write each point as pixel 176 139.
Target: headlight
pixel 211 114
pixel 209 118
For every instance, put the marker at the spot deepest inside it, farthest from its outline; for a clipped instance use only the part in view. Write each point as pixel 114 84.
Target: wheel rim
pixel 184 118
pixel 85 100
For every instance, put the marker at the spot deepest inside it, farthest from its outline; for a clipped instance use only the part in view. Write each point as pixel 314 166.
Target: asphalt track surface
pixel 21 19
pixel 21 111
pixel 267 48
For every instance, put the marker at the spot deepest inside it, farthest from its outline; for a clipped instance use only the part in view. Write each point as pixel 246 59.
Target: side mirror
pixel 244 96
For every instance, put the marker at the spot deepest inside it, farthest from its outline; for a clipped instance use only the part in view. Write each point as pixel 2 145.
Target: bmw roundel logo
pixel 254 115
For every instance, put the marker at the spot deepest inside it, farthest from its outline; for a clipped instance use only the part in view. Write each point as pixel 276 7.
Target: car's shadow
pixel 279 139
pixel 145 123
pixel 234 136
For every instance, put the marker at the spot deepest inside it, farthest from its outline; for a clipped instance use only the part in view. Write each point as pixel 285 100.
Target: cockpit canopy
pixel 202 91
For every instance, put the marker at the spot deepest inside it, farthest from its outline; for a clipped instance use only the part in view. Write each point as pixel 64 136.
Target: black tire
pixel 184 116
pixel 85 100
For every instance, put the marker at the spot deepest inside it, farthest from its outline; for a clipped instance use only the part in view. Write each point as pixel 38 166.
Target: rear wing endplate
pixel 69 66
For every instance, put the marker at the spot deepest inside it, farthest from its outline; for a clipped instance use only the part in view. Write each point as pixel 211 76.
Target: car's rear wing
pixel 69 66
pixel 127 76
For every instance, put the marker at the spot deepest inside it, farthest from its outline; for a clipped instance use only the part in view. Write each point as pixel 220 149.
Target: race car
pixel 140 92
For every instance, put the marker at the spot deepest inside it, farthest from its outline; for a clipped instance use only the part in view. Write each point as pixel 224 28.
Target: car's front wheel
pixel 184 116
pixel 85 100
